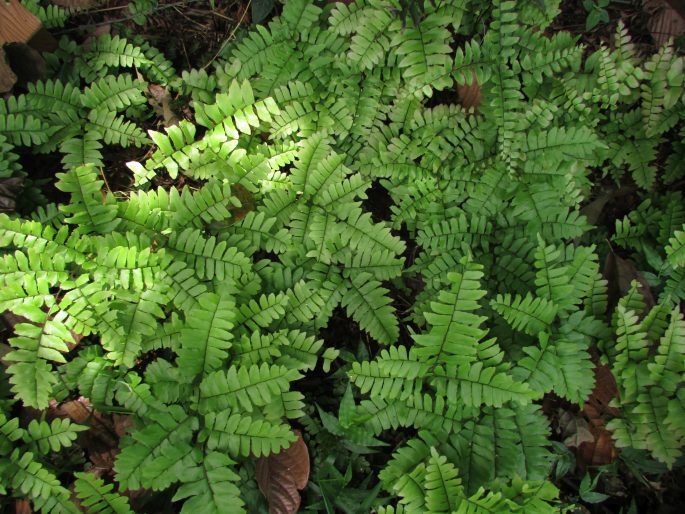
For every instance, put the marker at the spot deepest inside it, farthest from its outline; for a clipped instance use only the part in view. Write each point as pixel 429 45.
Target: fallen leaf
pixel 9 189
pixel 159 99
pixel 620 273
pixel 663 21
pixel 101 441
pixel 574 429
pixel 602 449
pixel 7 76
pixel 282 475
pixel 246 199
pixel 604 391
pixel 593 210
pixel 22 507
pixel 469 95
pixel 26 62
pixel 121 423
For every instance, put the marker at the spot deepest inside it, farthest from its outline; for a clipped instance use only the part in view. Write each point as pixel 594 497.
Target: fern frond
pixel 257 231
pixel 206 337
pixel 206 256
pixel 114 93
pixel 115 130
pixel 82 151
pixel 262 312
pixel 87 207
pixel 367 302
pixel 61 433
pixel 244 387
pixel 25 129
pixel 53 96
pixel 455 330
pixel 111 52
pixel 371 39
pixel 552 279
pixel 530 314
pixel 97 497
pixel 209 486
pixel 243 436
pixel 475 384
pixel 172 428
pixel 424 51
pixel 675 250
pixel 442 484
pixel 235 112
pixel 669 363
pixel 204 206
pixel 31 478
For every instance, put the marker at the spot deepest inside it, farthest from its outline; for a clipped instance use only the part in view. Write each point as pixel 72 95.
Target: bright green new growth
pixel 201 307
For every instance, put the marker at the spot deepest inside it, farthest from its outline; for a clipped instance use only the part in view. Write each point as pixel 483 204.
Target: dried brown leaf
pixel 10 187
pixel 282 475
pixel 101 441
pixel 22 507
pixel 574 429
pixel 469 95
pixel 602 449
pixel 26 62
pixel 159 99
pixel 593 210
pixel 664 21
pixel 7 76
pixel 620 273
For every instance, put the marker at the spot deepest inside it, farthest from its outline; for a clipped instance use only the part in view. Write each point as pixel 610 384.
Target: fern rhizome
pixel 197 310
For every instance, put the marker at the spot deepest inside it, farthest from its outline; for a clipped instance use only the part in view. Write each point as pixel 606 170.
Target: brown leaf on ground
pixel 469 95
pixel 605 390
pixel 159 99
pixel 593 210
pixel 7 76
pixel 101 441
pixel 10 187
pixel 664 21
pixel 22 507
pixel 26 62
pixel 602 450
pixel 247 202
pixel 121 423
pixel 574 429
pixel 620 273
pixel 282 475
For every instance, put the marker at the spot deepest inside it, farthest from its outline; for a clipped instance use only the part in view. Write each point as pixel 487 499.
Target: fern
pixel 97 497
pixel 318 175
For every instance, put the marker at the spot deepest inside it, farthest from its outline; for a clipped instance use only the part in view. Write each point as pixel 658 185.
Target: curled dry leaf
pixel 282 475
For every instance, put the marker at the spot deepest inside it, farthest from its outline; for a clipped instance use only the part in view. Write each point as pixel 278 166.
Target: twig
pixel 229 38
pixel 127 18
